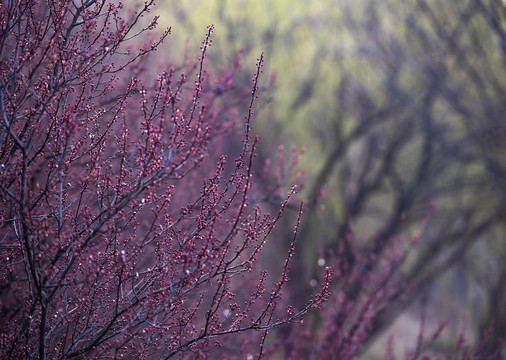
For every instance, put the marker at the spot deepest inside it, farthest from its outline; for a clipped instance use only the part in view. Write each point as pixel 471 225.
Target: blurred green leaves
pixel 401 105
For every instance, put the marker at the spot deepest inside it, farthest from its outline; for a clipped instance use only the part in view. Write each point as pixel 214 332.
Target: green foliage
pixel 401 106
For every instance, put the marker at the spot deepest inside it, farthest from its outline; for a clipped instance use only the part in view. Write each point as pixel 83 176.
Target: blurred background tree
pixel 401 105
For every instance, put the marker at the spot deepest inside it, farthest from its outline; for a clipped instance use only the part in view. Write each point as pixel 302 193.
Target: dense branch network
pixel 108 248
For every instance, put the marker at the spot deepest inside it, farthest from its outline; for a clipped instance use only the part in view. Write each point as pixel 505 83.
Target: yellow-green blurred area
pixel 402 107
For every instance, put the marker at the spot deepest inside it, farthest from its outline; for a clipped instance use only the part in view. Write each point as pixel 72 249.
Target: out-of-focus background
pixel 401 106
